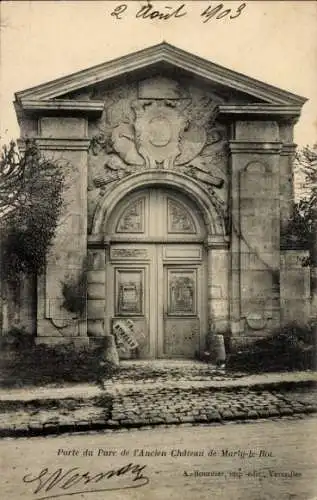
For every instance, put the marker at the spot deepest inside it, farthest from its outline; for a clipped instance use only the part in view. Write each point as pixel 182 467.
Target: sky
pixel 274 41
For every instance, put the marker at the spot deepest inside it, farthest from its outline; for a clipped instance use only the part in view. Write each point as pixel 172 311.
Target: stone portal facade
pixel 179 187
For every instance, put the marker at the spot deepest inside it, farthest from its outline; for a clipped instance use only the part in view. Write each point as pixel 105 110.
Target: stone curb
pixel 86 391
pixel 110 425
pixel 259 386
pixel 217 387
pixel 131 389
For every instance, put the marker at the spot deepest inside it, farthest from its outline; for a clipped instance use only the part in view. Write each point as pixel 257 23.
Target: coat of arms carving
pixel 159 124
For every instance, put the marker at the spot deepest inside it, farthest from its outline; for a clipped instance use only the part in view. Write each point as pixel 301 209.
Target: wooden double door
pixel 156 276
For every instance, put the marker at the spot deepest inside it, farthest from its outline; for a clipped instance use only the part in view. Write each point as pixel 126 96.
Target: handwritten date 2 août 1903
pixel 149 11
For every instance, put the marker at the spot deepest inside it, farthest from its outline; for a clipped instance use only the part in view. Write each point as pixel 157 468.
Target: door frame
pixel 214 243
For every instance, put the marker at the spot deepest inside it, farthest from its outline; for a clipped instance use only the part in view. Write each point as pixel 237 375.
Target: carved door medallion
pixel 181 292
pixel 156 273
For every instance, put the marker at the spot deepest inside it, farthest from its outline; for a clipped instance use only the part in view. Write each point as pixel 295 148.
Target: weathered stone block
pixel 295 310
pixel 96 260
pixel 219 308
pixel 95 327
pixel 256 283
pixel 220 326
pixel 257 131
pixel 96 291
pixel 295 279
pixel 96 276
pixel 51 340
pixel 215 292
pixel 67 127
pixel 296 284
pixel 95 309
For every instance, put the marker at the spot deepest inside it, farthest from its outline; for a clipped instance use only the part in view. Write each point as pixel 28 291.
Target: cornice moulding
pixel 96 240
pixel 40 106
pixel 288 149
pixel 255 147
pixel 162 53
pixel 259 110
pixel 212 242
pixel 57 144
pixel 217 242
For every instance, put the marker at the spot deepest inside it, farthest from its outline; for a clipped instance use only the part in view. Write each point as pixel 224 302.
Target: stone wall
pixel 295 287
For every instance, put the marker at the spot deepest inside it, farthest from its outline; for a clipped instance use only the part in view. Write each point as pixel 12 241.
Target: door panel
pixel 131 269
pixel 181 297
pixel 185 252
pixel 181 328
pixel 131 302
pixel 181 337
pixel 129 291
pixel 155 273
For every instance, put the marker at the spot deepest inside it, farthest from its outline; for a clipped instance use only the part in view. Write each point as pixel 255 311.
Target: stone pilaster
pixel 218 287
pixel 286 172
pixel 255 237
pixel 286 185
pixel 65 140
pixel 96 292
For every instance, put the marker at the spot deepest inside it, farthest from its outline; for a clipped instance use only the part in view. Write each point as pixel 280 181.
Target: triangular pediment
pixel 157 59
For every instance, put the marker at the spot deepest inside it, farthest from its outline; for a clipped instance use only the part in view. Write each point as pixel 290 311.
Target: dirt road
pixel 268 460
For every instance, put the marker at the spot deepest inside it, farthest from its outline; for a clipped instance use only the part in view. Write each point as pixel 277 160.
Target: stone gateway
pixel 179 190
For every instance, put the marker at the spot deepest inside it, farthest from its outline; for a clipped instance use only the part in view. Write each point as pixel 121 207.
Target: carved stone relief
pixel 159 123
pixel 179 220
pixel 132 220
pixel 129 290
pixel 182 293
pixel 128 253
pixel 158 128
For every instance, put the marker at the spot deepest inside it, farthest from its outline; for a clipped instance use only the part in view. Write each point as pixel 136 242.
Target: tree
pixel 306 165
pixel 31 203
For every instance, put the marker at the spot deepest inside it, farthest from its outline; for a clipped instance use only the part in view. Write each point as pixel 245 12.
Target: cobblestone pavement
pixel 166 394
pixel 172 370
pixel 203 405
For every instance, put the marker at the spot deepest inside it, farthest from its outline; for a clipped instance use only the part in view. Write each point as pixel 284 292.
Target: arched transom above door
pixel 156 214
pixel 207 213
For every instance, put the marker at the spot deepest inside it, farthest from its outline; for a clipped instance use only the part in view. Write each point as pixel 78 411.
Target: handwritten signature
pixel 70 482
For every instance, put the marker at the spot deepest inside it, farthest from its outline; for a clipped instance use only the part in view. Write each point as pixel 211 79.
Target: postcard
pixel 158 217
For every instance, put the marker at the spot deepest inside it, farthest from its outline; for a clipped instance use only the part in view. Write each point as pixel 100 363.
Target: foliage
pixel 306 163
pixel 16 338
pixel 40 365
pixel 300 232
pixel 31 203
pixel 290 348
pixel 75 293
pixel 303 226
